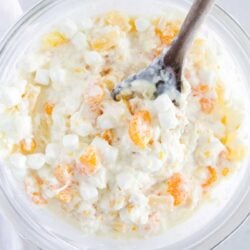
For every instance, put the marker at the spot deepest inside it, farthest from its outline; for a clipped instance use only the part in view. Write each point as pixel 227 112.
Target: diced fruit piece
pixel 94 97
pixel 207 105
pixel 116 18
pixel 38 199
pixel 27 146
pixel 237 154
pixel 108 136
pixel 105 42
pixel 212 178
pixel 175 188
pixel 54 39
pixel 225 172
pixel 168 34
pixel 140 131
pixel 132 25
pixel 89 161
pixel 201 89
pixel 66 195
pixel 48 108
pixel 63 173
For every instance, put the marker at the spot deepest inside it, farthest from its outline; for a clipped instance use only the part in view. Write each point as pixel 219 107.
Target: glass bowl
pixel 49 232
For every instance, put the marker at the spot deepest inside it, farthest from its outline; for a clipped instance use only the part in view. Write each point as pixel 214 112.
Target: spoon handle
pixel 175 55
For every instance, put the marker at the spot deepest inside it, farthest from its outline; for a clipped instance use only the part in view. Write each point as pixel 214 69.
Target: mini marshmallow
pixel 18 161
pixel 79 40
pixel 36 161
pixel 141 24
pixel 68 28
pixel 71 142
pixel 42 77
pixel 93 58
pixel 88 192
pixel 52 153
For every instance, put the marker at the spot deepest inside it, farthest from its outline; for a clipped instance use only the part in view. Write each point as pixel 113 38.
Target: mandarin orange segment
pixel 54 39
pixel 212 178
pixel 201 89
pixel 27 146
pixel 207 105
pixel 116 18
pixel 89 161
pixel 175 188
pixel 108 136
pixel 63 173
pixel 169 33
pixel 48 108
pixel 140 131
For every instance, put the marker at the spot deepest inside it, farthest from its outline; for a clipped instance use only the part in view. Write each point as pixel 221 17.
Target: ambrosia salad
pixel 129 167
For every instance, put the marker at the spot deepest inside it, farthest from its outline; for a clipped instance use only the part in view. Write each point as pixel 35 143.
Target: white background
pixel 240 10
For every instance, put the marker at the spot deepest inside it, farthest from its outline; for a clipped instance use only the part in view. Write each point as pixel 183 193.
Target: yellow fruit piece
pixel 229 138
pixel 220 92
pixel 132 25
pixel 212 178
pixel 140 131
pixel 63 173
pixel 27 146
pixel 66 195
pixel 119 227
pixel 105 41
pixel 89 161
pixel 237 154
pixel 116 18
pixel 134 228
pixel 161 155
pixel 54 39
pixel 175 188
pixel 48 108
pixel 225 172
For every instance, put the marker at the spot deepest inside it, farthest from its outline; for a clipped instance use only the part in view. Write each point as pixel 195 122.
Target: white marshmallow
pixel 99 180
pixel 80 126
pixel 57 75
pixel 79 40
pixel 68 28
pixel 86 24
pixel 126 181
pixel 36 161
pixel 93 58
pixel 141 24
pixel 42 77
pixel 88 191
pixel 10 96
pixel 18 161
pixel 168 119
pixel 52 153
pixel 71 142
pixel 106 122
pixel 162 103
pixel 108 153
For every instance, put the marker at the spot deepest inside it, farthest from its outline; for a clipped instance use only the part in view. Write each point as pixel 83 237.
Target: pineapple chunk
pixel 54 39
pixel 116 18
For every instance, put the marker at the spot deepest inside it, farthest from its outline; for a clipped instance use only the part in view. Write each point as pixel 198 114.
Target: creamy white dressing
pixel 128 168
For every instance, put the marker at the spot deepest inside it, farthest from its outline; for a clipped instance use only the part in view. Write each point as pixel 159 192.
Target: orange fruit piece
pixel 200 89
pixel 225 172
pixel 89 161
pixel 108 136
pixel 168 34
pixel 175 183
pixel 94 96
pixel 27 147
pixel 48 108
pixel 63 173
pixel 66 195
pixel 212 177
pixel 140 129
pixel 207 105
